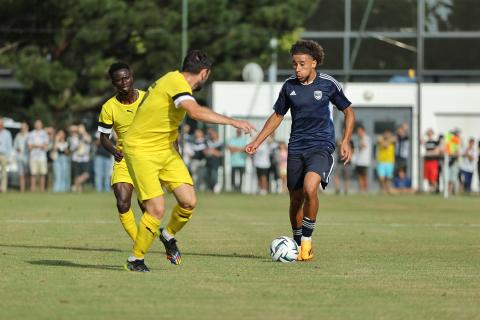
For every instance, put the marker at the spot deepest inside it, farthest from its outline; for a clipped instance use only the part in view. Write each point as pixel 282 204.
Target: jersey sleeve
pixel 281 106
pixel 338 98
pixel 179 90
pixel 105 120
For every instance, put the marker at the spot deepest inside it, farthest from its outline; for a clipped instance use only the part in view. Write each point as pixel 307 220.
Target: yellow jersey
pixel 159 115
pixel 386 154
pixel 118 116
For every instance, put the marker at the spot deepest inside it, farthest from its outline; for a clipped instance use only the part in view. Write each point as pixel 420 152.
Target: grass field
pixel 412 257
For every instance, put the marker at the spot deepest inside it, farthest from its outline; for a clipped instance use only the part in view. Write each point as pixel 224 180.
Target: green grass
pixel 411 257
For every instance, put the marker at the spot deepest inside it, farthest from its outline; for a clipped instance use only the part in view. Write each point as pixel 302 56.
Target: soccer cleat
pixel 137 266
pixel 299 256
pixel 171 249
pixel 306 251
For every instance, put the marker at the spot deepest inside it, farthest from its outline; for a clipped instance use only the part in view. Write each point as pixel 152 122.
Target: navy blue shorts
pixel 319 161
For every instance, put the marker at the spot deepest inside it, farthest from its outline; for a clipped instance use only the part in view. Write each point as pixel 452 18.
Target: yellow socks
pixel 147 231
pixel 178 219
pixel 128 222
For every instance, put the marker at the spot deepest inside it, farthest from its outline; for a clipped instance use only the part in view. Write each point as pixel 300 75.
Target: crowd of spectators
pixel 64 160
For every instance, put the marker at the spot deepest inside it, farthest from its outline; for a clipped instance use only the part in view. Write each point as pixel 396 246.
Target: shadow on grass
pixel 65 263
pixel 222 255
pixel 214 255
pixel 28 246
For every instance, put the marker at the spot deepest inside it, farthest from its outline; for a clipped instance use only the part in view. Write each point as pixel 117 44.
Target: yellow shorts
pixel 120 173
pixel 152 172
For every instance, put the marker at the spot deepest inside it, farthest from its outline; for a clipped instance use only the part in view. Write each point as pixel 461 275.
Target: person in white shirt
pixel 21 154
pixel 80 144
pixel 5 153
pixel 467 165
pixel 363 158
pixel 262 164
pixel 38 146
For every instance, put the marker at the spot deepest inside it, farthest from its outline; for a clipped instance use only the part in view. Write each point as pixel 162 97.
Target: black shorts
pixel 361 170
pixel 79 168
pixel 320 162
pixel 262 172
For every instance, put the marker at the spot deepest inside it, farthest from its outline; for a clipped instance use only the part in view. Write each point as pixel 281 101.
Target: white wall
pixel 444 106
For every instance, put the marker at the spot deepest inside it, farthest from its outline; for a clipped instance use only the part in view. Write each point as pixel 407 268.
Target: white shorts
pixel 38 167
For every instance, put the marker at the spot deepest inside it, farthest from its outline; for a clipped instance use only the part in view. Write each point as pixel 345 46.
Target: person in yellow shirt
pixel 117 114
pixel 385 160
pixel 153 161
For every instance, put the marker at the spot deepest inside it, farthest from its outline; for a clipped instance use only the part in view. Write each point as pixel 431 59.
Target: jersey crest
pixel 317 94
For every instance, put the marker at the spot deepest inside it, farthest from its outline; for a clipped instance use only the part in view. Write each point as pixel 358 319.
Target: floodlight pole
pixel 419 76
pixel 184 28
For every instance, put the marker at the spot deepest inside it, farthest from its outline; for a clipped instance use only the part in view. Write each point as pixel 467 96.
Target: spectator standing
pixel 102 165
pixel 197 164
pixel 80 148
pixel 6 148
pixel 363 158
pixel 467 166
pixel 431 161
pixel 385 160
pixel 343 172
pixel 51 132
pixel 261 162
pixel 452 145
pixel 238 159
pixel 274 173
pixel 402 147
pixel 38 146
pixel 61 162
pixel 186 145
pixel 214 156
pixel 282 165
pixel 21 154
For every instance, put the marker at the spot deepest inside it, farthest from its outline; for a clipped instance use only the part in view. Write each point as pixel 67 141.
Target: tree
pixel 60 51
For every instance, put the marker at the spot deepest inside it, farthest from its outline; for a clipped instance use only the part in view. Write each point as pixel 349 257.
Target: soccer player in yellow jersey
pixel 117 114
pixel 153 162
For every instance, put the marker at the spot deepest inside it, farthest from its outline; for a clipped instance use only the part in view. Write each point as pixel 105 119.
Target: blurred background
pixel 409 67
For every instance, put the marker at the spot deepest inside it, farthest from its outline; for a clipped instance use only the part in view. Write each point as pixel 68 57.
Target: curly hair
pixel 309 47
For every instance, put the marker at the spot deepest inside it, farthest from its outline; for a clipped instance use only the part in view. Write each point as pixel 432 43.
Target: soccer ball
pixel 284 249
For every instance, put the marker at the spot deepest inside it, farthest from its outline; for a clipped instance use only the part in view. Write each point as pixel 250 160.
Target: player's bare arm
pixel 271 124
pixel 108 145
pixel 199 113
pixel 345 149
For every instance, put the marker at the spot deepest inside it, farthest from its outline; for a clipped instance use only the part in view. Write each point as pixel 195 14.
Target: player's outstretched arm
pixel 199 113
pixel 271 124
pixel 345 150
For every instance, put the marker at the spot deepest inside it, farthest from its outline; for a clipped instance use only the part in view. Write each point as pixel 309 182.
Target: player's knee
pixel 188 204
pixel 310 192
pixel 123 205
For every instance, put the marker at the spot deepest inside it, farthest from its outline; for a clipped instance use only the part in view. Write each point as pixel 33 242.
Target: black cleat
pixel 171 249
pixel 137 266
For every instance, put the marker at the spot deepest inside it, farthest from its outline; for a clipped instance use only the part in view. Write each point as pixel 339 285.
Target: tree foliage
pixel 60 50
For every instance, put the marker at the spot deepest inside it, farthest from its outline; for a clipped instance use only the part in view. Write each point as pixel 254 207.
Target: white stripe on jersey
pixel 290 78
pixel 327 77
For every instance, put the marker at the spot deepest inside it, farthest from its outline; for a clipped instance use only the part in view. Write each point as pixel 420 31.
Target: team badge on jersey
pixel 317 94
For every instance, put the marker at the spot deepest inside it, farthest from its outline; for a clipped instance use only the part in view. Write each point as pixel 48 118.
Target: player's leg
pixel 123 194
pixel 144 172
pixel 181 214
pixel 177 179
pixel 122 185
pixel 295 177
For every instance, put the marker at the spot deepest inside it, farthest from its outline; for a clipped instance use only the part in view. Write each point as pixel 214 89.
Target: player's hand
pixel 345 152
pixel 245 126
pixel 251 148
pixel 118 155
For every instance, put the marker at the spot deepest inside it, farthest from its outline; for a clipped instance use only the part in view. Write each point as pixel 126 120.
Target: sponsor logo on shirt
pixel 293 93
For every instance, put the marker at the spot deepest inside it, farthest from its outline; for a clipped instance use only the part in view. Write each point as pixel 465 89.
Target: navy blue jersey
pixel 310 107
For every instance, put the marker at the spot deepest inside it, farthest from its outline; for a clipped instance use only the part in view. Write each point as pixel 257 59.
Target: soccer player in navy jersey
pixel 309 96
